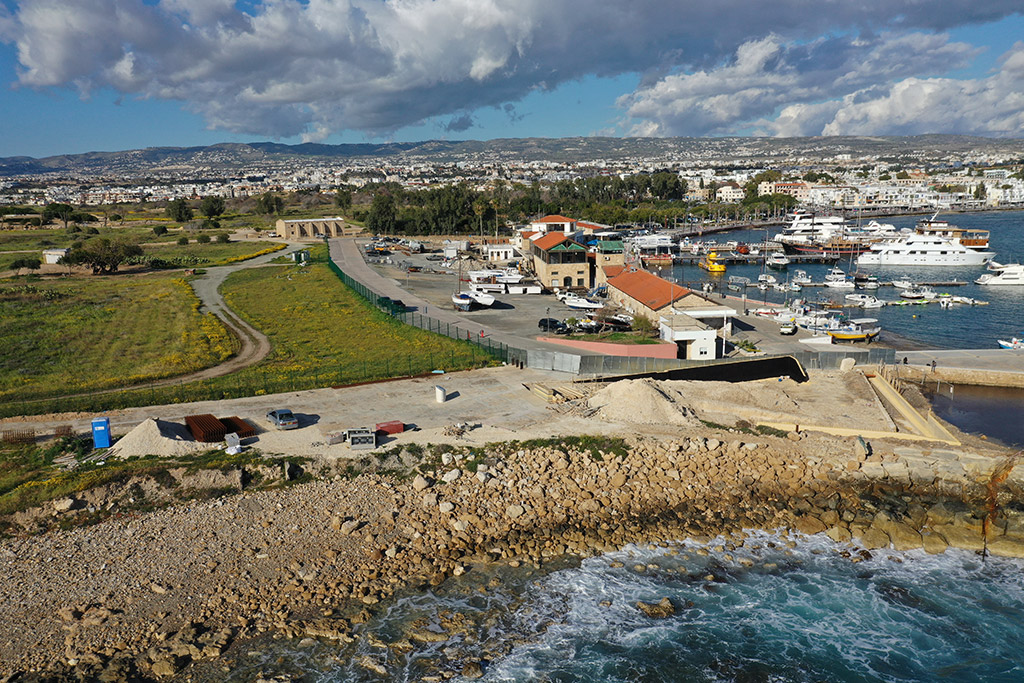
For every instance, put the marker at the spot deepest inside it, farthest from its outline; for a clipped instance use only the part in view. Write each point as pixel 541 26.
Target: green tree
pixel 343 199
pixel 182 240
pixel 26 263
pixel 212 206
pixel 903 175
pixel 102 255
pixel 382 216
pixel 268 203
pixel 223 238
pixel 160 230
pixel 179 210
pixel 203 239
pixel 979 192
pixel 62 212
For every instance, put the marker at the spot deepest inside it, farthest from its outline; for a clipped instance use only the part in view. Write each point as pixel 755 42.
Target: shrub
pixel 223 238
pixel 203 239
pixel 160 230
pixel 182 241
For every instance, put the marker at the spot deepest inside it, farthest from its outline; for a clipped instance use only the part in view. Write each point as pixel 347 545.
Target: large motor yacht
pixel 919 249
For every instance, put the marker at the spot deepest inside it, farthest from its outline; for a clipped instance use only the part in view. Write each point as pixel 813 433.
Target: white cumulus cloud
pixel 312 67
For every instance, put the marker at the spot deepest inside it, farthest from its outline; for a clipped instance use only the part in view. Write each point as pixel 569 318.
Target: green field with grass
pixel 322 332
pixel 44 238
pixel 321 328
pixel 75 335
pixel 211 254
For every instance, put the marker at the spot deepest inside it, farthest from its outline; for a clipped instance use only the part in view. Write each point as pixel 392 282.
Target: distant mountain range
pixel 232 157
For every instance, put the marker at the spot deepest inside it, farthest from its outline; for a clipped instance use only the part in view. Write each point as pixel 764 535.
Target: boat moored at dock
pixel 1009 274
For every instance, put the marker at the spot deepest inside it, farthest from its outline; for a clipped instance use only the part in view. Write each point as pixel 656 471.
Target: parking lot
pixel 516 314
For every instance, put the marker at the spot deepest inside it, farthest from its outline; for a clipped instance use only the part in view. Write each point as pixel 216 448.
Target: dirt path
pixel 254 344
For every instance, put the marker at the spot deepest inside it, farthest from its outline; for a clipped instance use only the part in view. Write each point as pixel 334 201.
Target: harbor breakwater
pixel 145 598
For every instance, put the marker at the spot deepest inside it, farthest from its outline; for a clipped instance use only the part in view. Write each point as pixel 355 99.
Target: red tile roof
pixel 613 271
pixel 650 290
pixel 554 218
pixel 552 239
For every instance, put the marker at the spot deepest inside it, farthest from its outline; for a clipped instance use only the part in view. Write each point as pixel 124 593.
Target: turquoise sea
pixel 761 612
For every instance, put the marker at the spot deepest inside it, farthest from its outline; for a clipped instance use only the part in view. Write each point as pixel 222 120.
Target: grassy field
pixel 320 328
pixel 68 336
pixel 212 253
pixel 323 334
pixel 37 240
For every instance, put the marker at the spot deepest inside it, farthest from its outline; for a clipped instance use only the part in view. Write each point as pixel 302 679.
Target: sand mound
pixel 642 401
pixel 156 437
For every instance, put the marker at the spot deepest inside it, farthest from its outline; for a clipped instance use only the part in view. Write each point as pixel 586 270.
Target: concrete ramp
pixel 925 425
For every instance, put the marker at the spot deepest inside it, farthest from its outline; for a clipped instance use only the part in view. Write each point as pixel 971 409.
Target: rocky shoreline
pixel 146 596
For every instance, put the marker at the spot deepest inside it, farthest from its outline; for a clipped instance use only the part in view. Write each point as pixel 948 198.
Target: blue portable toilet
pixel 101 432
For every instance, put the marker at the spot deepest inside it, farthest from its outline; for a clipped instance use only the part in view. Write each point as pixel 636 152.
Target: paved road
pixel 999 360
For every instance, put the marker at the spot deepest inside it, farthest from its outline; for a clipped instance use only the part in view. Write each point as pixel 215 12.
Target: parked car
pixel 282 418
pixel 552 325
pixel 435 257
pixel 394 304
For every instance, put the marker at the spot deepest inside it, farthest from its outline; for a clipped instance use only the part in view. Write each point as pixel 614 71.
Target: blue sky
pixel 122 74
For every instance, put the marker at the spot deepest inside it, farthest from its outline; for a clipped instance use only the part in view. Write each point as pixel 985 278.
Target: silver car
pixel 282 418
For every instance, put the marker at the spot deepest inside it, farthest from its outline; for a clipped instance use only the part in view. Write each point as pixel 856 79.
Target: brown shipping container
pixel 392 427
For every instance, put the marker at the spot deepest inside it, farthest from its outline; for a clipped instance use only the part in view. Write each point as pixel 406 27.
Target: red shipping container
pixel 392 427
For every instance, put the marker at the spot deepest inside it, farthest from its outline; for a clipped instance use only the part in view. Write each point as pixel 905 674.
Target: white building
pixel 53 256
pixel 498 252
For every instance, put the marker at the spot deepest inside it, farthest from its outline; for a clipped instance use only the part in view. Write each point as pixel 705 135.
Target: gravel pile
pixel 156 437
pixel 642 401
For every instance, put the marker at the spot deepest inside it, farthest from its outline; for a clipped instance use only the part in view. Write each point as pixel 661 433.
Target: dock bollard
pixel 440 395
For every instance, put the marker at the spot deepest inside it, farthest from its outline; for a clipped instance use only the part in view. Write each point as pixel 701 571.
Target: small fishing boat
pixel 1013 343
pixel 903 283
pixel 835 274
pixel 801 277
pixel 579 303
pixel 858 329
pixel 766 279
pixel 916 293
pixel 462 301
pixel 710 263
pixel 482 298
pixel 865 281
pixel 777 260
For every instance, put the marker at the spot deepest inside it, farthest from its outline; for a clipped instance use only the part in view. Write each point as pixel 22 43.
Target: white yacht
pixel 1009 274
pixel 923 250
pixel 972 238
pixel 502 275
pixel 801 277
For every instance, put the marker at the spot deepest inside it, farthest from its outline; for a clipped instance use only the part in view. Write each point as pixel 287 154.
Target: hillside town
pixel 877 180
